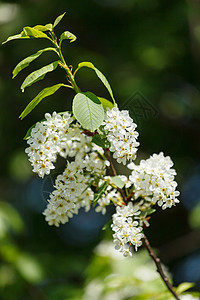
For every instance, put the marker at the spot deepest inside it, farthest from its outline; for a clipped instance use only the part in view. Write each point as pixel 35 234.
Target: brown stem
pixel 147 245
pixel 107 155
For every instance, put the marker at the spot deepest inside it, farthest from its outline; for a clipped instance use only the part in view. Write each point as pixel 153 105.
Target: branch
pixel 147 245
pixel 145 241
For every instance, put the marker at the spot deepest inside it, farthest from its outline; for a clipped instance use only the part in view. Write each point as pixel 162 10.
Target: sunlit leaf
pixel 184 286
pixel 31 32
pixel 25 62
pixel 106 103
pixel 38 75
pixel 88 110
pixel 16 37
pixel 58 19
pixel 10 218
pixel 99 74
pixel 47 27
pixel 29 268
pixel 67 36
pixel 43 94
pixel 117 181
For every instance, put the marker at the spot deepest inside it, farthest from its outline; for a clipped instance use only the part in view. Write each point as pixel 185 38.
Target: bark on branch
pixel 147 245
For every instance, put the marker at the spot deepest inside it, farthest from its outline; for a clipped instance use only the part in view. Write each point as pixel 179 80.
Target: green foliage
pixel 99 141
pixel 67 36
pixel 34 33
pixel 47 27
pixel 100 192
pixel 58 19
pixel 43 94
pixel 38 75
pixel 28 134
pixel 26 61
pixel 15 37
pixel 117 181
pixel 106 103
pixel 184 287
pixel 99 74
pixel 194 218
pixel 9 220
pixel 112 276
pixel 88 110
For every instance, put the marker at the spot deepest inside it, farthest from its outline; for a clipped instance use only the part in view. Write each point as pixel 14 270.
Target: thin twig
pixel 147 245
pixel 107 155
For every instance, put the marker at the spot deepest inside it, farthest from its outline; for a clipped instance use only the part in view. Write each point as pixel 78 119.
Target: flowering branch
pixel 85 137
pixel 156 259
pixel 145 241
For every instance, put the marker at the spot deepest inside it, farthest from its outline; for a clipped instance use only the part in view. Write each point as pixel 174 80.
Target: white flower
pixel 121 135
pixel 153 180
pixel 127 232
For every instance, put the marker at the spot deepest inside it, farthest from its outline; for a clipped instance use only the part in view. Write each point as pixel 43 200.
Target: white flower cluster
pixel 46 141
pixel 71 189
pixel 127 231
pixel 70 194
pixel 121 134
pixel 153 180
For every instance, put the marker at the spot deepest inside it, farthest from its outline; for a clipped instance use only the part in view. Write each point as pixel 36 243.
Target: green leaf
pixel 88 110
pixel 38 75
pixel 31 32
pixel 28 134
pixel 100 192
pixel 43 94
pixel 25 62
pixel 102 142
pixel 107 226
pixel 106 103
pixel 47 27
pixel 15 37
pixel 150 211
pixel 184 286
pixel 10 218
pixel 102 132
pixel 117 181
pixel 99 74
pixel 67 36
pixel 58 19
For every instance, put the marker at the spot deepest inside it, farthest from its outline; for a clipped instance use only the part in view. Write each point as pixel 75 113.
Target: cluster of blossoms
pixel 70 194
pixel 153 180
pixel 48 138
pixel 85 182
pixel 127 232
pixel 121 135
pixel 71 188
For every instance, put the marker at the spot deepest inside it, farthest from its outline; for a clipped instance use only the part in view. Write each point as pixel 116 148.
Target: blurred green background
pixel 150 53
